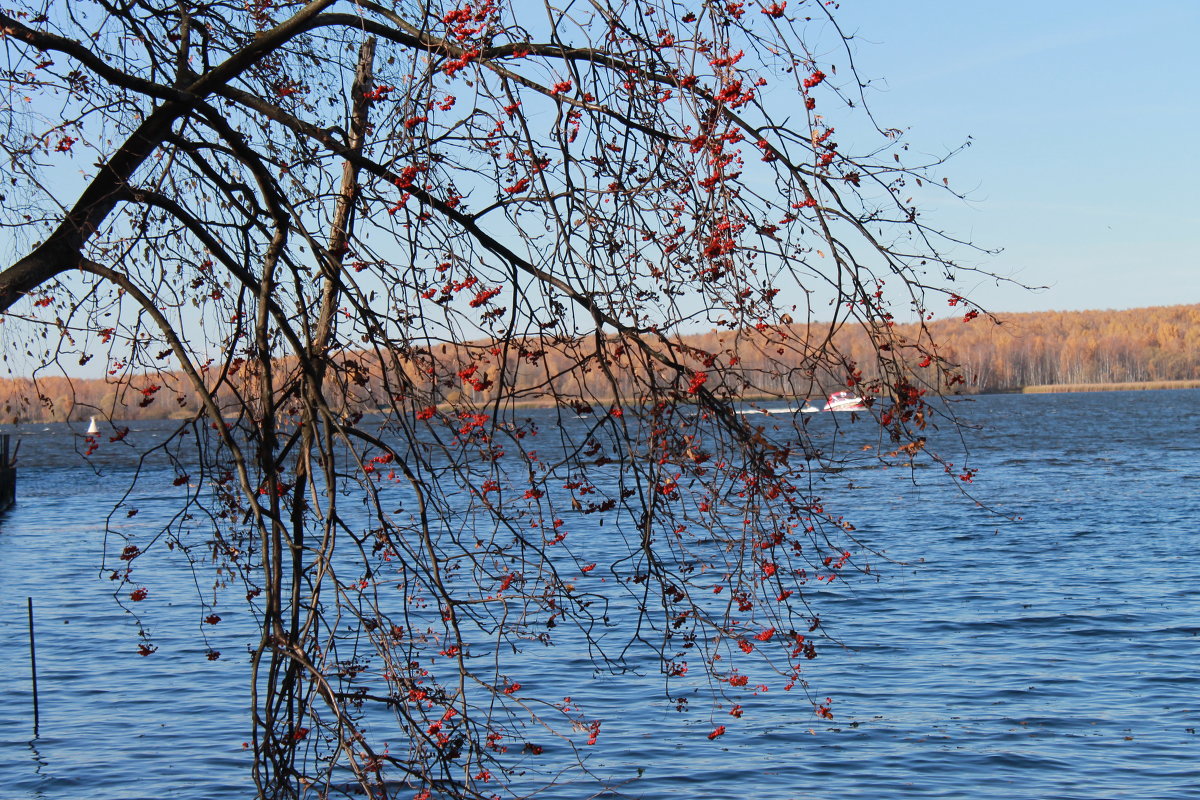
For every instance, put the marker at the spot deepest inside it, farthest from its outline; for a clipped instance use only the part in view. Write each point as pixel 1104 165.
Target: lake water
pixel 1052 656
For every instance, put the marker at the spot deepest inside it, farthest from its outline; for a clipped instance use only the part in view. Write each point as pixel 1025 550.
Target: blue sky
pixel 1085 119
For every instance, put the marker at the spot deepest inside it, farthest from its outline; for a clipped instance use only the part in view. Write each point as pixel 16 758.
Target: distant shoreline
pixel 1135 386
pixel 603 405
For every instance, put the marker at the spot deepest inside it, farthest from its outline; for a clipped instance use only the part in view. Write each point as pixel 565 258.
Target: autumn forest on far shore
pixel 1039 351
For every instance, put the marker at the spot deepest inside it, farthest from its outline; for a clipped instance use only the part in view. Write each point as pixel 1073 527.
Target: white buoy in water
pixel 93 428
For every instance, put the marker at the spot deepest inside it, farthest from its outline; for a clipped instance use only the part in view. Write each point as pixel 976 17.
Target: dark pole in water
pixel 33 667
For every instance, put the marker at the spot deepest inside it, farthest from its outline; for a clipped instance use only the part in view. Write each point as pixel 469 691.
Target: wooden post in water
pixel 8 475
pixel 33 666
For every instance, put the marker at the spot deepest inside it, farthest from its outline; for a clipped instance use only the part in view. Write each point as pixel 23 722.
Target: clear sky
pixel 1085 118
pixel 1085 122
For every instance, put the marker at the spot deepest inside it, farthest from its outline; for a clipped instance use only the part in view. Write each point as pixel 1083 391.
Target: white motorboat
pixel 844 401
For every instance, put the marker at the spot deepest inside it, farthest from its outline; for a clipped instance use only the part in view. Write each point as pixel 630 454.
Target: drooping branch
pixel 392 228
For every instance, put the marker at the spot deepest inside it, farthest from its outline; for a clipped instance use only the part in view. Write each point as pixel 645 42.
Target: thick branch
pixel 63 249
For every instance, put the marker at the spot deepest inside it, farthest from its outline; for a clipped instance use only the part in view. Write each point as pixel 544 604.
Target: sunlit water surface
pixel 1054 656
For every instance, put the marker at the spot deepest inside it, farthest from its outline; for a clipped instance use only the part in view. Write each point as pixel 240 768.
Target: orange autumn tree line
pixel 1045 347
pixel 1077 347
pixel 534 370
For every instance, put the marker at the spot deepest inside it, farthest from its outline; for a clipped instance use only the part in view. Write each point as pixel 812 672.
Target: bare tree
pixel 364 235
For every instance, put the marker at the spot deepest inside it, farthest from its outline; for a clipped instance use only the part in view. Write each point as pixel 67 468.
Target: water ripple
pixel 1053 657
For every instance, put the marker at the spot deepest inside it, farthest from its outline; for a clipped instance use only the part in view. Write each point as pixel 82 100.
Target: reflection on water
pixel 1054 656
